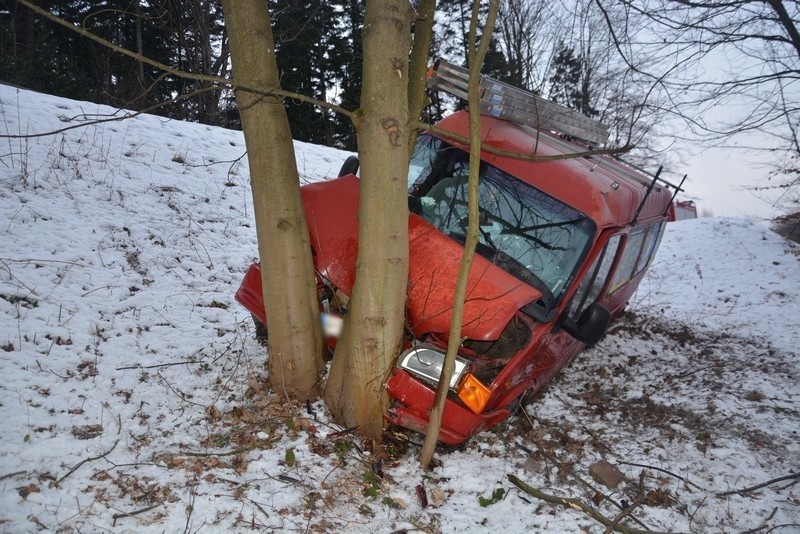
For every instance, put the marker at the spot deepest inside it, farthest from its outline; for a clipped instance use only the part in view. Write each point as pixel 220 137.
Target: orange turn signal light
pixel 473 393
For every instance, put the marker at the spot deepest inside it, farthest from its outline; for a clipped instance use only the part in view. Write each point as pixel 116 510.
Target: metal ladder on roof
pixel 516 105
pixel 519 106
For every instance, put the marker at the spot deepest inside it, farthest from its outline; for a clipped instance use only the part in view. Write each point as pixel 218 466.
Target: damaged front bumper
pixel 413 401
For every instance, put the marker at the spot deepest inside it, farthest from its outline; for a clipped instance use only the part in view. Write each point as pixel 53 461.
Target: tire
pixel 262 335
pixel 350 166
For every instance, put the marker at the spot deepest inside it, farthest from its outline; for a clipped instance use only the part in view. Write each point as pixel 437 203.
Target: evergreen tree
pixel 196 38
pixel 566 82
pixel 186 34
pixel 306 43
pixel 347 62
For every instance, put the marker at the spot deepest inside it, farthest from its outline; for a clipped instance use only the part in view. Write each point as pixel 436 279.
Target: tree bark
pixel 295 340
pixel 373 330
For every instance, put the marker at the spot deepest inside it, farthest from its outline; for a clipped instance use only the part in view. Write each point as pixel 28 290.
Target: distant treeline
pixel 318 47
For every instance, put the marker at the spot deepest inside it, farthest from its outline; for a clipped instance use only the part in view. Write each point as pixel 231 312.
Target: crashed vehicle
pixel 563 246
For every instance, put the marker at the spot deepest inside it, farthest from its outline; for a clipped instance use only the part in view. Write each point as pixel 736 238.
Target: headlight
pixel 426 361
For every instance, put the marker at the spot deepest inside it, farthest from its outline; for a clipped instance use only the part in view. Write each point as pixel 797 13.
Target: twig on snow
pixel 130 514
pixel 35 260
pixel 759 486
pixel 12 474
pixel 697 509
pixel 666 472
pixel 156 365
pixel 86 460
pixel 233 452
pixel 97 289
pixel 181 395
pixel 577 504
pixel 578 478
pixel 789 485
pixel 260 509
pixel 629 510
pixel 765 525
pixel 597 439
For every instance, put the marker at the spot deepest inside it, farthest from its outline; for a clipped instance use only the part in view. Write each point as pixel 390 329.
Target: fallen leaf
pixel 27 490
pixel 87 431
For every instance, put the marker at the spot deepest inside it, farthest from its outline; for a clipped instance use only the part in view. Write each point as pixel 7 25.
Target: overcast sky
pixel 718 181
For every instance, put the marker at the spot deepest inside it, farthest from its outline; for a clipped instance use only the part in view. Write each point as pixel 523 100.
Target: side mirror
pixel 591 325
pixel 350 166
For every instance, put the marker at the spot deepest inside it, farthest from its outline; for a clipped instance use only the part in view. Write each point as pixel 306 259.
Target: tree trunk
pixel 374 327
pixel 475 60
pixel 139 44
pixel 418 65
pixel 295 341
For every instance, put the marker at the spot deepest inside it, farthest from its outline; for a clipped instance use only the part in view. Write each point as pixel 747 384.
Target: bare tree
pixel 373 330
pixel 743 76
pixel 616 81
pixel 290 293
pixel 475 57
pixel 521 24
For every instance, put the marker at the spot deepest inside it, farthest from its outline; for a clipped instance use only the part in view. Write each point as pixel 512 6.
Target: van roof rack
pixel 522 107
pixel 516 105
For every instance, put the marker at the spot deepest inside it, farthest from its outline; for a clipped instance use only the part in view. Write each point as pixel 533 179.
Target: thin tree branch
pixel 664 471
pixel 475 57
pixel 120 515
pixel 126 115
pixel 759 486
pixel 86 460
pixel 577 504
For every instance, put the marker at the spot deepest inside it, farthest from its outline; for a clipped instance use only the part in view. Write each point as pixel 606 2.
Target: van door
pixel 596 278
pixel 560 346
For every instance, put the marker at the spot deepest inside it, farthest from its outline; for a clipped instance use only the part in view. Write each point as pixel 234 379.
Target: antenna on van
pixel 516 105
pixel 647 194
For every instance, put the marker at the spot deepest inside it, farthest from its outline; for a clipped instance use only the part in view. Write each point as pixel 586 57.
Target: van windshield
pixel 528 233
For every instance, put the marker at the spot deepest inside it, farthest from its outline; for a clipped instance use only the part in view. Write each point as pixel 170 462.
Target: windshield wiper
pixel 487 251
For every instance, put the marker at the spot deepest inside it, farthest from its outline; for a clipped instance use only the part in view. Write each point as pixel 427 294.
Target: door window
pixel 593 282
pixel 633 247
pixel 650 245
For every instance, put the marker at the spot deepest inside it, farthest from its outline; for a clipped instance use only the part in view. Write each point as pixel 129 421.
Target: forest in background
pixel 319 53
pixel 669 77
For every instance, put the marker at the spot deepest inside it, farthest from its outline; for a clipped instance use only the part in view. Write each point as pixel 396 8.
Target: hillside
pixel 131 397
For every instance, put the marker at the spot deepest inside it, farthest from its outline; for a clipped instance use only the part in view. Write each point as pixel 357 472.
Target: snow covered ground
pixel 131 394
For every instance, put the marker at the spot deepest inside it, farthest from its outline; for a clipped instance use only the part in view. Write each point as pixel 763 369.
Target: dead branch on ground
pixel 684 480
pixel 759 486
pixel 86 460
pixel 130 514
pixel 577 504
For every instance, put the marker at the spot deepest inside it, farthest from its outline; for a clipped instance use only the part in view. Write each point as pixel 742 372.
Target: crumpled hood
pixel 493 296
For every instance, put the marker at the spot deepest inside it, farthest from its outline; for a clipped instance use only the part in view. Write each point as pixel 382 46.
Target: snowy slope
pixel 131 396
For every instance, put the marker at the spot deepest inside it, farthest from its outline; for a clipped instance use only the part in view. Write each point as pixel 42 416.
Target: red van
pixel 563 246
